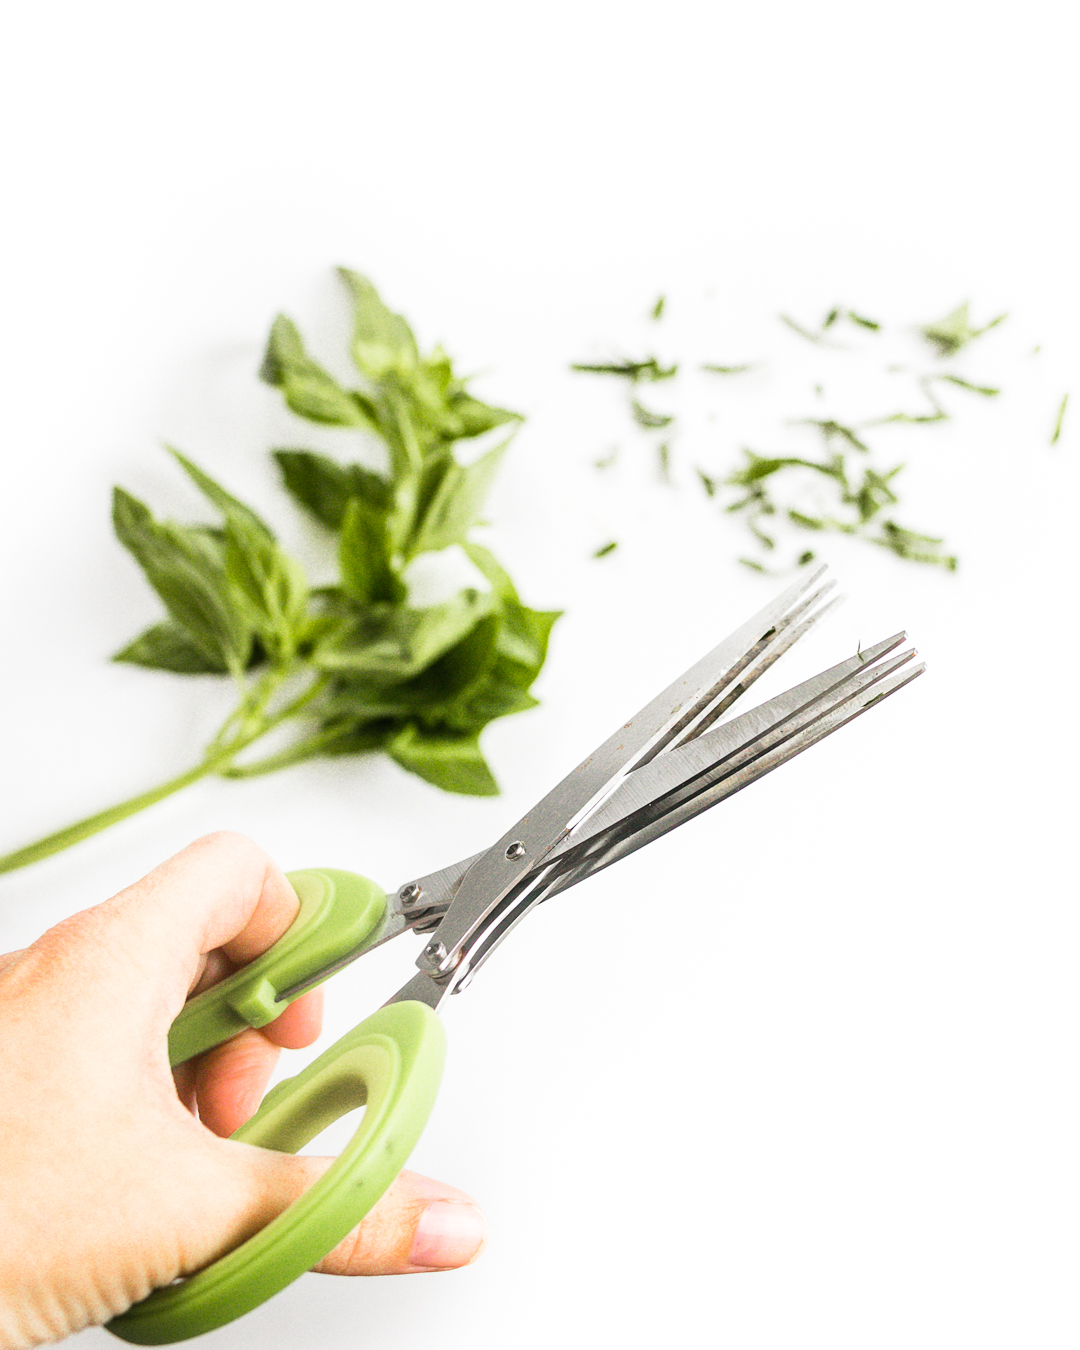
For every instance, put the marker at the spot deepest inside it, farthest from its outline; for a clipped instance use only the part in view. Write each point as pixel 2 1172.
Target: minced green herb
pixel 1055 435
pixel 645 417
pixel 952 333
pixel 607 548
pixel 856 494
pixel 636 372
pixel 352 666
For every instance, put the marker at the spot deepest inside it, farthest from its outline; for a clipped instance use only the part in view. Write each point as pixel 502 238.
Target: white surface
pixel 804 1073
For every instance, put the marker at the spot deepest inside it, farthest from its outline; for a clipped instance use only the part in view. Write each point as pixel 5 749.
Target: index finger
pixel 221 892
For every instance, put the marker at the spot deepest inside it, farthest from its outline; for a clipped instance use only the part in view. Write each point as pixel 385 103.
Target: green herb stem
pixel 251 722
pixel 83 829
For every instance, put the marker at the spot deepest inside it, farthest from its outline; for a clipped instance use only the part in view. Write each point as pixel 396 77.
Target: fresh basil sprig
pixel 353 666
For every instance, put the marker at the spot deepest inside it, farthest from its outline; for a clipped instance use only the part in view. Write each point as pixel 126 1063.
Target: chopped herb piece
pixel 830 429
pixel 1059 423
pixel 636 372
pixel 663 451
pixel 606 461
pixel 657 309
pixel 954 332
pixel 802 332
pixel 805 557
pixel 986 390
pixel 645 417
pixel 806 522
pixel 911 419
pixel 835 491
pixel 908 544
pixel 607 548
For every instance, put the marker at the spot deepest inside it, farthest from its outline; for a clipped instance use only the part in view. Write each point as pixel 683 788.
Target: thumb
pixel 418 1225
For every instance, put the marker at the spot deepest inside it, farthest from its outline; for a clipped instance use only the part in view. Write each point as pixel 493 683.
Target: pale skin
pixel 116 1177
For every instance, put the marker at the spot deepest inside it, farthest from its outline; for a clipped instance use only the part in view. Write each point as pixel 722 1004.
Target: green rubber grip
pixel 392 1061
pixel 338 910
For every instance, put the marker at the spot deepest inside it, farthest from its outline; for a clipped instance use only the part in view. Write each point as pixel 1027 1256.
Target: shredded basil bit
pixel 952 333
pixel 856 493
pixel 647 370
pixel 645 417
pixel 607 548
pixel 1055 435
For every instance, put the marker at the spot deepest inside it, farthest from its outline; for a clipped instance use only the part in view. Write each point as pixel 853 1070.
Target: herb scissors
pixel 671 761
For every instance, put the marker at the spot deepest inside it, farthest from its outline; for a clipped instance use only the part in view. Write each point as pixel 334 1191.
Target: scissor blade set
pixel 669 763
pixel 680 713
pixel 665 766
pixel 688 780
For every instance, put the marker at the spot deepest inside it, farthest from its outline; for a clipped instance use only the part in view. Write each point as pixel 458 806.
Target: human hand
pixel 117 1177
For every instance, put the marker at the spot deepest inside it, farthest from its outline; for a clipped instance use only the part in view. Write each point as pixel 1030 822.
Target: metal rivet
pixel 413 891
pixel 435 953
pixel 516 849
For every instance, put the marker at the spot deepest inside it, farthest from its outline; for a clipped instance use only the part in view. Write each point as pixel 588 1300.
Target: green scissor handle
pixel 338 910
pixel 391 1063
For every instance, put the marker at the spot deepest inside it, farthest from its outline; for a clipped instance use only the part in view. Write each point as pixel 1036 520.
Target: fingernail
pixel 450 1233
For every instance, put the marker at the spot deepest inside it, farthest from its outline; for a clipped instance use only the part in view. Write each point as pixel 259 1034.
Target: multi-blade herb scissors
pixel 671 761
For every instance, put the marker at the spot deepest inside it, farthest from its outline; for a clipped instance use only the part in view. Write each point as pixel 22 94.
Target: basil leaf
pixel 523 643
pixel 225 502
pixel 496 697
pixel 184 566
pixel 356 701
pixel 364 555
pixel 309 390
pixel 456 503
pixel 325 487
pixel 273 586
pixel 357 738
pixel 166 646
pixel 466 417
pixel 460 669
pixel 392 645
pixel 454 692
pixel 488 565
pixel 397 426
pixel 451 762
pixel 382 341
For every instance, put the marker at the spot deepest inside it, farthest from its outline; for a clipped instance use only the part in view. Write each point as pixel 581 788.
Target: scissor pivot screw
pixel 516 849
pixel 435 953
pixel 413 891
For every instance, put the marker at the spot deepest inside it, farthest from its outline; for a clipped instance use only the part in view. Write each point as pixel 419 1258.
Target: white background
pixel 804 1073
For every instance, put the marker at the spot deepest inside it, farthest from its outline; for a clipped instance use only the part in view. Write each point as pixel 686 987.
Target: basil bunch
pixel 353 665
